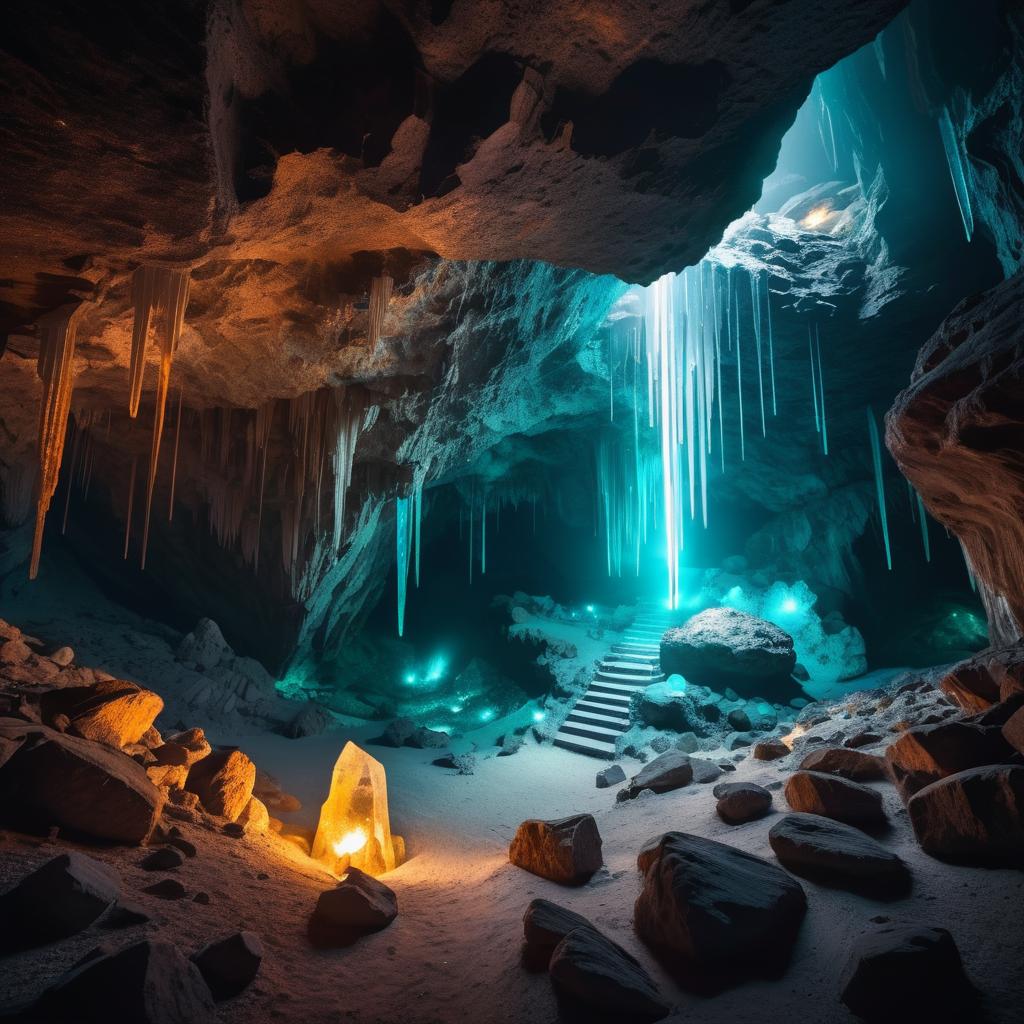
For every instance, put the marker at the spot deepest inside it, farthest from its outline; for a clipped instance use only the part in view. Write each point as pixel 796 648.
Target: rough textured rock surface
pixel 972 817
pixel 545 924
pixel 81 786
pixel 740 802
pixel 850 764
pixel 113 711
pixel 567 850
pixel 722 644
pixel 833 797
pixel 668 771
pixel 228 965
pixel 59 899
pixel 955 435
pixel 906 972
pixel 820 848
pixel 715 907
pixel 149 982
pixel 596 973
pixel 358 905
pixel 223 782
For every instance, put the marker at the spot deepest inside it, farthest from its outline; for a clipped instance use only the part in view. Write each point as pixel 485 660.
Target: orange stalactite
pixel 57 334
pixel 131 503
pixel 174 461
pixel 380 297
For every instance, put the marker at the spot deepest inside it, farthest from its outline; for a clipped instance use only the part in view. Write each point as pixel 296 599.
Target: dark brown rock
pixel 57 779
pixel 64 896
pixel 357 905
pixel 740 802
pixel 223 782
pixel 567 851
pixel 666 772
pixel 972 817
pixel 770 750
pixel 823 849
pixel 928 753
pixel 164 859
pixel 862 739
pixel 848 764
pixel 899 973
pixel 716 908
pixel 1013 730
pixel 833 797
pixel 148 982
pixel 594 972
pixel 229 965
pixel 166 889
pixel 545 924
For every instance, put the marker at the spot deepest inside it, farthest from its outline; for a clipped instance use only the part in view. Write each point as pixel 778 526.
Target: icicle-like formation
pixel 625 479
pixel 164 289
pixel 380 296
pixel 814 378
pixel 876 461
pixel 131 506
pixel 922 518
pixel 755 300
pixel 483 535
pixel 174 460
pixel 771 346
pixel 417 510
pixel 57 334
pixel 403 538
pixel 821 391
pixel 350 408
pixel 959 169
pixel 472 516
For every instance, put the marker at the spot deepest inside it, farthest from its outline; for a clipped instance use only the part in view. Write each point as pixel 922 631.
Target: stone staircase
pixel 601 715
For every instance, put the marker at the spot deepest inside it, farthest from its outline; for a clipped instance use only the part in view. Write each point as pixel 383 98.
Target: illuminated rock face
pixel 354 828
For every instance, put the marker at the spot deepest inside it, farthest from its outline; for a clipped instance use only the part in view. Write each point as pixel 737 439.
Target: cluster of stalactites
pixel 380 296
pixel 156 288
pixel 627 500
pixel 57 334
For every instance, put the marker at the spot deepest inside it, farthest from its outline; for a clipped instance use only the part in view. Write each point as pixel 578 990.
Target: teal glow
pixel 436 669
pixel 410 678
pixel 539 716
pixel 677 683
pixel 789 604
pixel 590 608
pixel 487 714
pixel 455 709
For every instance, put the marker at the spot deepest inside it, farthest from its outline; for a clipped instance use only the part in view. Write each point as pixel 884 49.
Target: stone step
pixel 611 700
pixel 583 745
pixel 619 710
pixel 639 647
pixel 594 732
pixel 583 717
pixel 622 677
pixel 616 689
pixel 634 657
pixel 630 668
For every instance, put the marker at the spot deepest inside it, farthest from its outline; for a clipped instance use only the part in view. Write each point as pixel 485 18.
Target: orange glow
pixel 817 216
pixel 791 737
pixel 354 828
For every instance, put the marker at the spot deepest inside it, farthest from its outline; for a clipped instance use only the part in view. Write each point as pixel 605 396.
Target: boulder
pixel 166 889
pixel 229 965
pixel 164 859
pixel 63 656
pixel 148 982
pixel 223 781
pixel 850 764
pixel 114 711
pixel 972 817
pixel 255 817
pixel 358 905
pixel 545 924
pixel 770 750
pixel 183 748
pixel 14 652
pixel 567 851
pixel 827 850
pixel 427 739
pixel 204 648
pixel 911 972
pixel 54 779
pixel 1013 730
pixel 666 772
pixel 167 776
pixel 125 914
pixel 833 797
pixel 61 898
pixel 594 973
pixel 705 772
pixel 740 802
pixel 397 732
pixel 862 739
pixel 722 644
pixel 610 776
pixel 312 720
pixel 662 707
pixel 715 908
pixel 988 677
pixel 923 755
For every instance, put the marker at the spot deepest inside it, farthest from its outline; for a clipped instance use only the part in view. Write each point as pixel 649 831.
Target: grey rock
pixel 666 772
pixel 229 965
pixel 704 771
pixel 610 776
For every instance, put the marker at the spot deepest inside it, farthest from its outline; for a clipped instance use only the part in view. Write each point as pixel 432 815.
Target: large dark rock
pixel 610 776
pixel 58 899
pixel 666 772
pixel 49 778
pixel 770 750
pixel 567 850
pixel 663 707
pixel 850 764
pixel 972 817
pixel 149 982
pixel 923 755
pixel 902 973
pixel 833 797
pixel 827 850
pixel 358 905
pixel 740 802
pixel 1013 730
pixel 594 972
pixel 229 965
pixel 725 646
pixel 114 711
pixel 545 924
pixel 223 781
pixel 715 908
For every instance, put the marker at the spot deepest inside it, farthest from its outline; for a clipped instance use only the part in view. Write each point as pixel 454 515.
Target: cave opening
pixel 455 456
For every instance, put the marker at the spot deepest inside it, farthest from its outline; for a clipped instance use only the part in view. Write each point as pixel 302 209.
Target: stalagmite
pixel 380 296
pixel 876 461
pixel 57 334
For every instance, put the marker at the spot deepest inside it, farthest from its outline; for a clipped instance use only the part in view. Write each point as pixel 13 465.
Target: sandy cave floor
pixel 453 954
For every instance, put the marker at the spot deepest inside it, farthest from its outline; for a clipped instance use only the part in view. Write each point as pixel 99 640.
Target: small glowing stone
pixel 538 716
